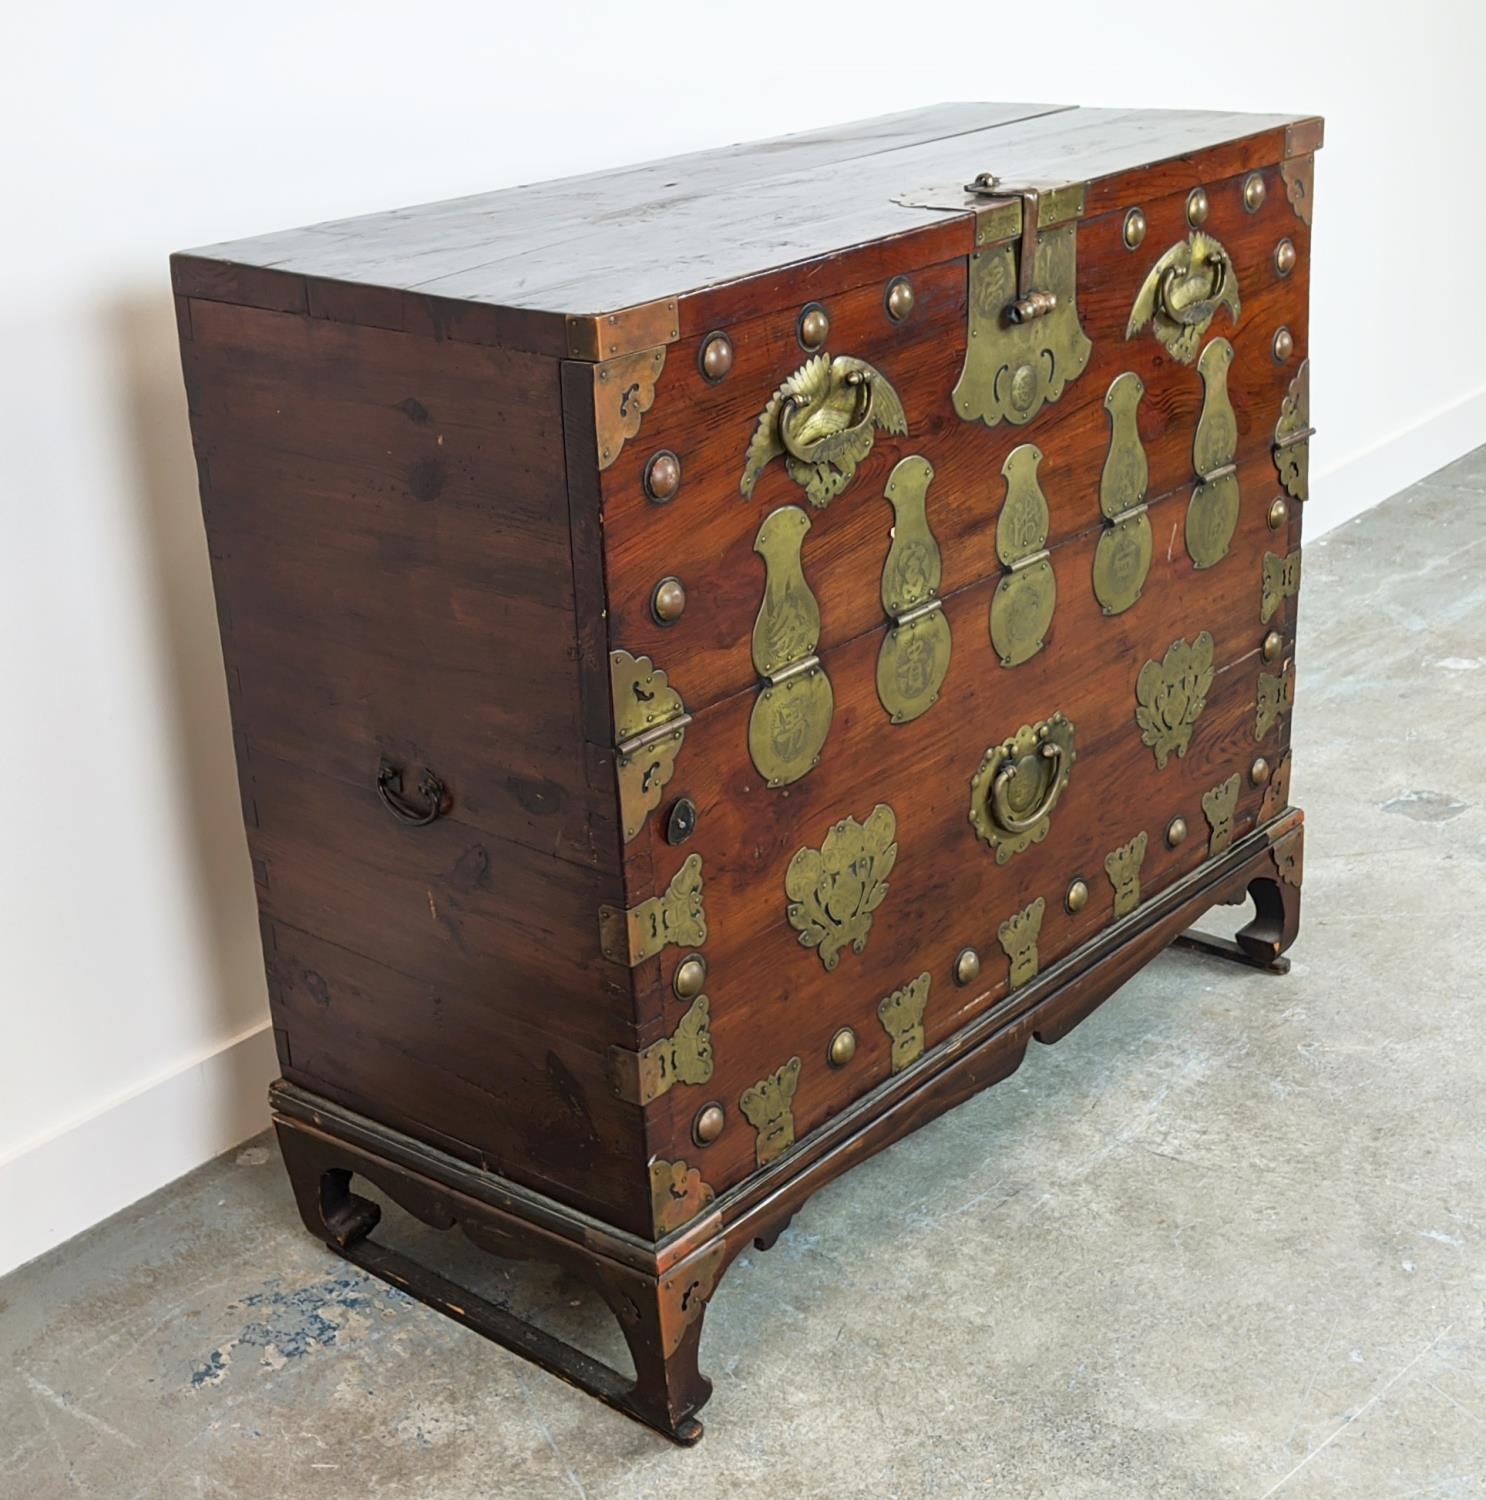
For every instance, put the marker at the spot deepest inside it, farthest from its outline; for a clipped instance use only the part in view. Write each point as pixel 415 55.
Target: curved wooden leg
pixel 1261 943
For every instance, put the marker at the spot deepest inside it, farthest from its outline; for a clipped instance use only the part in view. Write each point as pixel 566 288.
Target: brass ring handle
pixel 430 788
pixel 859 393
pixel 1191 296
pixel 1001 809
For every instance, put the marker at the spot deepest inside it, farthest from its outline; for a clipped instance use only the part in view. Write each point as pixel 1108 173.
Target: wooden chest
pixel 724 653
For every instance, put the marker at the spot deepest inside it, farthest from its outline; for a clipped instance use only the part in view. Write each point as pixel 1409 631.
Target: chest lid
pixel 606 264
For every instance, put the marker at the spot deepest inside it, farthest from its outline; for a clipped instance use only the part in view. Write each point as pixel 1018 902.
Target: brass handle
pixel 1057 779
pixel 816 431
pixel 1191 294
pixel 430 788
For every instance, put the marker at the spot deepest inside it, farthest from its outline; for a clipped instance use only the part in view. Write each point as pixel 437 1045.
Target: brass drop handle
pixel 1056 779
pixel 430 788
pixel 816 431
pixel 1192 293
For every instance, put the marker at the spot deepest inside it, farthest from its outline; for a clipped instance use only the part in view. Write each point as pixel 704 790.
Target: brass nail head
pixel 668 601
pixel 1197 206
pixel 1274 643
pixel 815 326
pixel 967 966
pixel 662 476
pixel 1279 512
pixel 1284 345
pixel 1284 256
pixel 1135 227
pixel 1253 192
pixel 1259 771
pixel 843 1047
pixel 1176 831
pixel 899 298
pixel 717 356
pixel 690 976
pixel 1077 896
pixel 708 1124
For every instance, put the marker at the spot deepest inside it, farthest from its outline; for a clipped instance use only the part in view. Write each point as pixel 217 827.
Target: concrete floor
pixel 1227 1239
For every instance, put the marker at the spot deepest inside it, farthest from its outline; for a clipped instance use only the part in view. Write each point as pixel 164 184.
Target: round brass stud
pixel 1279 512
pixel 690 976
pixel 1274 643
pixel 668 600
pixel 899 298
pixel 662 476
pixel 814 327
pixel 1283 346
pixel 967 966
pixel 1197 206
pixel 1176 831
pixel 1259 771
pixel 717 356
pixel 1077 896
pixel 1284 256
pixel 708 1124
pixel 1253 192
pixel 843 1047
pixel 1135 227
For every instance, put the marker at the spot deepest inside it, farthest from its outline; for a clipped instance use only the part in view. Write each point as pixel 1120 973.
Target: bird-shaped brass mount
pixel 823 420
pixel 1183 292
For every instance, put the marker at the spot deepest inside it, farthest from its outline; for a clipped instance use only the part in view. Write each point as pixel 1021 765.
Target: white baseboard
pixel 57 1185
pixel 1393 463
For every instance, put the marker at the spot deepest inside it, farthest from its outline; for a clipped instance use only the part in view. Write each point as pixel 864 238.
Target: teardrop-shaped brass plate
pixel 912 664
pixel 1021 611
pixel 1212 515
pixel 1216 440
pixel 789 724
pixel 1122 559
pixel 915 652
pixel 1122 485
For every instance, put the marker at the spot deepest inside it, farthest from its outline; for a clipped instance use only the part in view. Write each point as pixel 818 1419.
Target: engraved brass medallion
pixel 649 727
pixel 1212 512
pixel 792 714
pixel 683 1057
pixel 834 890
pixel 1018 937
pixel 1018 784
pixel 1293 433
pixel 914 657
pixel 630 937
pixel 1122 556
pixel 1276 697
pixel 902 1017
pixel 1182 293
pixel 1170 694
pixel 769 1107
pixel 1281 582
pixel 1022 606
pixel 1013 368
pixel 1219 806
pixel 1122 865
pixel 823 421
pixel 677 1194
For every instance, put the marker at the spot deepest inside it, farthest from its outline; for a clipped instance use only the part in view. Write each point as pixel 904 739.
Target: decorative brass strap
pixel 768 1107
pixel 649 726
pixel 1276 697
pixel 683 1057
pixel 1212 513
pixel 902 1017
pixel 1219 805
pixel 914 657
pixel 1018 936
pixel 1292 435
pixel 676 917
pixel 1281 582
pixel 1122 865
pixel 1025 598
pixel 1126 546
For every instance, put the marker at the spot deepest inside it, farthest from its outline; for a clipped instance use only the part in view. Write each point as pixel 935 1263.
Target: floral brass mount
pixel 1292 435
pixel 674 917
pixel 1024 342
pixel 677 1195
pixel 834 890
pixel 1281 582
pixel 1219 806
pixel 792 714
pixel 1276 697
pixel 1182 293
pixel 649 727
pixel 914 658
pixel 683 1057
pixel 1122 865
pixel 769 1107
pixel 1212 512
pixel 1126 546
pixel 1171 693
pixel 1018 784
pixel 1018 937
pixel 823 421
pixel 623 391
pixel 1025 598
pixel 902 1017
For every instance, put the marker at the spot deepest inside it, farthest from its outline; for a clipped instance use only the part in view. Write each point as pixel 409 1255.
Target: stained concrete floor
pixel 1226 1239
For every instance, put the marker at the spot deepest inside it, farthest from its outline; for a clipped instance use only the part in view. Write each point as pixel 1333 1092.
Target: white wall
pixel 131 987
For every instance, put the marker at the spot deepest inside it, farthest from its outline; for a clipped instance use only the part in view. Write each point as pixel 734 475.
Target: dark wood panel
pixel 440 1062
pixel 705 535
